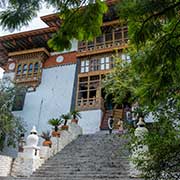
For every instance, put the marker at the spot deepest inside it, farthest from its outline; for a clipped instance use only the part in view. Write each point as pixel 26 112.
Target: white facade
pixel 51 98
pixel 90 121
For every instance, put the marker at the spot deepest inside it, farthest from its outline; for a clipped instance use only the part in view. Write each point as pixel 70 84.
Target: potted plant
pixel 55 122
pixel 65 117
pixel 47 138
pixel 75 116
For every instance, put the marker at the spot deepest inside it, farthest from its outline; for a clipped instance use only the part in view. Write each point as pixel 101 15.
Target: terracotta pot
pixel 64 127
pixel 47 143
pixel 55 134
pixel 74 121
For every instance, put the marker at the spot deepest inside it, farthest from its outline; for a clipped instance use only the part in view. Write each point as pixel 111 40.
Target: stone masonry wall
pixel 5 165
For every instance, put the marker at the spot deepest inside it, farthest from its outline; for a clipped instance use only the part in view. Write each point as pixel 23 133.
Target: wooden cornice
pixel 52 20
pixel 110 23
pixel 99 51
pixel 30 51
pixel 28 33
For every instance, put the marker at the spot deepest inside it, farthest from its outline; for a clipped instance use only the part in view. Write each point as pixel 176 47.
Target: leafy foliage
pixel 76 114
pixel 55 122
pixel 66 117
pixel 163 160
pixel 80 19
pixel 80 23
pixel 154 30
pixel 10 126
pixel 18 13
pixel 46 135
pixel 154 34
pixel 120 82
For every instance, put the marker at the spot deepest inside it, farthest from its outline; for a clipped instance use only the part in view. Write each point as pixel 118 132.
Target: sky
pixel 35 24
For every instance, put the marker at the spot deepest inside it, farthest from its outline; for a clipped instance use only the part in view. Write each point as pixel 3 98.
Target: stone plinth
pixel 31 152
pixel 75 130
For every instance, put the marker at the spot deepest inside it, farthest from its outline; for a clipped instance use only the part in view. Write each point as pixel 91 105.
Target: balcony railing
pixel 25 78
pixel 108 40
pixel 91 103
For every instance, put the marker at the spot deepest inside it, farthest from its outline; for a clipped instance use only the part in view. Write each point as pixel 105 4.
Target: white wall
pixel 90 121
pixel 9 75
pixel 51 98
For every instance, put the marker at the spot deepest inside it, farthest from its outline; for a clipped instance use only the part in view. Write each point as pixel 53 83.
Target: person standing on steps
pixel 110 124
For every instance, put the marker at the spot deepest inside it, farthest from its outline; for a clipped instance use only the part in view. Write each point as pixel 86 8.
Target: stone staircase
pixel 89 157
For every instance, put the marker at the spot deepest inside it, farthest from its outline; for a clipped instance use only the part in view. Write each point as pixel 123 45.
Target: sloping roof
pixel 24 41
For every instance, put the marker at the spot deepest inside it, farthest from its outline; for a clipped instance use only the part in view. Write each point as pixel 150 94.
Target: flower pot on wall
pixel 65 127
pixel 75 116
pixel 65 118
pixel 47 143
pixel 74 121
pixel 55 123
pixel 55 134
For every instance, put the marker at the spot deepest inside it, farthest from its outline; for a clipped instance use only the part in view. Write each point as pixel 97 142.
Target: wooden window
pixel 30 68
pixel 94 65
pixel 108 37
pixel 90 44
pixel 24 69
pixel 88 91
pixel 18 102
pixel 100 40
pixel 84 66
pixel 118 34
pixel 36 67
pixel 82 45
pixel 19 69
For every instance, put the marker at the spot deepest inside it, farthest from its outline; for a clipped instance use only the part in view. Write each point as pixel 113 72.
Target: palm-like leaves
pixel 55 122
pixel 75 114
pixel 46 135
pixel 66 117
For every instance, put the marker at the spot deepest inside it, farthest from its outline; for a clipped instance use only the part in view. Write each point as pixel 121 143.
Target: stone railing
pixel 34 156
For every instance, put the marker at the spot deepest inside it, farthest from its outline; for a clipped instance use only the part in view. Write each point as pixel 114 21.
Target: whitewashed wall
pixel 9 75
pixel 51 98
pixel 90 121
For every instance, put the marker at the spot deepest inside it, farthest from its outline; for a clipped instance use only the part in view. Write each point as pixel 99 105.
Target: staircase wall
pixel 25 165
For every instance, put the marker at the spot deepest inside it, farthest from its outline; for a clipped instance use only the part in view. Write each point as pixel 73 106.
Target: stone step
pixel 81 175
pixel 65 168
pixel 90 157
pixel 75 178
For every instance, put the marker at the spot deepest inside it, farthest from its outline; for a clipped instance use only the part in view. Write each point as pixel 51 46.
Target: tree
pixel 154 35
pixel 120 82
pixel 77 22
pixel 10 126
pixel 154 46
pixel 154 31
